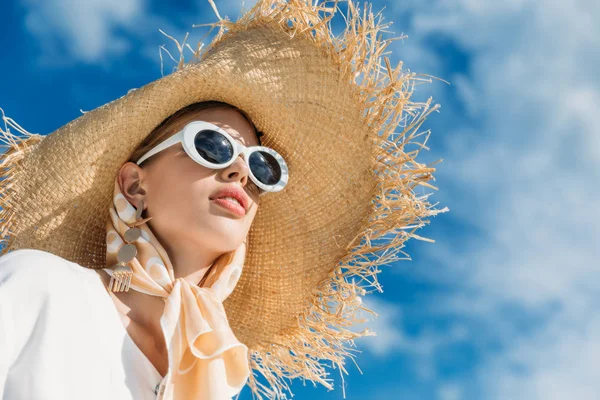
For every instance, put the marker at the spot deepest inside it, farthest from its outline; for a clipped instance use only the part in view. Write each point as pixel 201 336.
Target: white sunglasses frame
pixel 186 138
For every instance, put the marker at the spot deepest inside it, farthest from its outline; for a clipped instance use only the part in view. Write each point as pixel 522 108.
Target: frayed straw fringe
pixel 324 331
pixel 14 148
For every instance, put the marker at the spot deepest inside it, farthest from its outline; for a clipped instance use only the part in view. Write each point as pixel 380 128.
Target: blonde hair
pixel 164 129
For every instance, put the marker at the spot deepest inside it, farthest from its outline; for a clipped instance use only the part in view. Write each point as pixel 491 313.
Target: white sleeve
pixel 23 300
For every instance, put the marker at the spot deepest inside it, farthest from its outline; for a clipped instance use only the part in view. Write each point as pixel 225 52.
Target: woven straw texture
pixel 330 105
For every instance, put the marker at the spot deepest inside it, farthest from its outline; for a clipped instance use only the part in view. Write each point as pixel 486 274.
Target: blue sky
pixel 504 305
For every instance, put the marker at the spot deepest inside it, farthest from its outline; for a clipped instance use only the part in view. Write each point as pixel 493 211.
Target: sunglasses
pixel 212 147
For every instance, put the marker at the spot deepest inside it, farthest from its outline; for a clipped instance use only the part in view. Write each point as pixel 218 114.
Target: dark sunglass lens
pixel 213 146
pixel 265 167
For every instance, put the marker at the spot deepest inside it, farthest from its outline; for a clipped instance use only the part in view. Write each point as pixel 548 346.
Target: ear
pixel 132 182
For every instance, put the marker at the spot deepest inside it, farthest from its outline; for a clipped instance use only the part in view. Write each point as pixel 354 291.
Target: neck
pixel 190 260
pixel 191 267
pixel 145 309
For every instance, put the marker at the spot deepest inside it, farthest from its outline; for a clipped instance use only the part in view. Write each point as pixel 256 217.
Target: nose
pixel 237 171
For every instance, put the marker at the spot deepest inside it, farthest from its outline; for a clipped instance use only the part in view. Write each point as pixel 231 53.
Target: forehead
pixel 230 120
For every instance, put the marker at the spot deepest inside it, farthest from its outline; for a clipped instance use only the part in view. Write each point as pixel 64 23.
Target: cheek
pixel 181 198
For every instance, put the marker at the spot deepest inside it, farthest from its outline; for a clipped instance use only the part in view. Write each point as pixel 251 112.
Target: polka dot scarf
pixel 206 361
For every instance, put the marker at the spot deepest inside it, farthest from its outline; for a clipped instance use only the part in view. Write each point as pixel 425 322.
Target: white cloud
pixel 94 31
pixel 391 337
pixel 535 155
pixel 233 8
pixel 524 172
pixel 558 363
pixel 84 31
pixel 450 391
pixel 387 325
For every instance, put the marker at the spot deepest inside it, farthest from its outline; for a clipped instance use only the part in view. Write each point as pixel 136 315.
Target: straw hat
pixel 330 105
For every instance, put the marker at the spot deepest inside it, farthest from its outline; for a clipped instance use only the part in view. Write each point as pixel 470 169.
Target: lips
pixel 236 193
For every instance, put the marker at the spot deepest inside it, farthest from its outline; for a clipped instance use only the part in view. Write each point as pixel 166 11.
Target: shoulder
pixel 30 257
pixel 40 293
pixel 38 268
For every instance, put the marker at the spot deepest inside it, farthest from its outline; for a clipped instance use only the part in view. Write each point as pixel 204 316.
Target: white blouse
pixel 61 336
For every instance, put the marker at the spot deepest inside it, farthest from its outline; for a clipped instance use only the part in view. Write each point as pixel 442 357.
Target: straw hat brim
pixel 347 191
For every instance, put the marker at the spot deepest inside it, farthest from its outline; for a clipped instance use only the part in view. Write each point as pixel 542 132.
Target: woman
pixel 163 186
pixel 170 251
pixel 167 184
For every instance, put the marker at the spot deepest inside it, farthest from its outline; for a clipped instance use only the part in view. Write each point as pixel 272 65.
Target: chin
pixel 227 236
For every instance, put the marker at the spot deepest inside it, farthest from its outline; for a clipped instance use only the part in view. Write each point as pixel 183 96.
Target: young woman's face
pixel 179 193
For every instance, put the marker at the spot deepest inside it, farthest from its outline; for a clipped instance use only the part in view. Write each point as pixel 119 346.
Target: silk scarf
pixel 206 360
